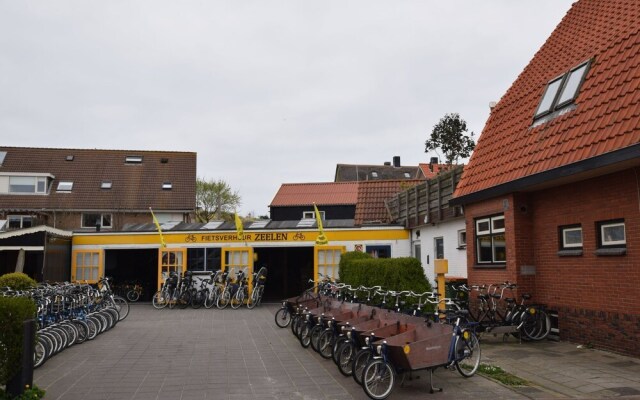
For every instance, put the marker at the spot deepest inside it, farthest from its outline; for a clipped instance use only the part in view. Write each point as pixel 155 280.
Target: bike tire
pixel 238 299
pixel 378 379
pixel 283 317
pixel 160 300
pixel 346 353
pixel 325 343
pixel 467 355
pixel 360 361
pixel 223 300
pixel 315 335
pixel 122 306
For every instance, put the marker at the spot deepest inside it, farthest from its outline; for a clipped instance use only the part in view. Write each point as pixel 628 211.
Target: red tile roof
pixel 330 193
pixel 134 187
pixel 430 171
pixel 607 110
pixel 371 206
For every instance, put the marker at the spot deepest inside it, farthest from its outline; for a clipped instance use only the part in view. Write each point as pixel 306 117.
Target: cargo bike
pixel 426 346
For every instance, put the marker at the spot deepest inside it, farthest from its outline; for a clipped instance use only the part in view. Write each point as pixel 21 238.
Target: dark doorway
pixel 289 270
pixel 128 267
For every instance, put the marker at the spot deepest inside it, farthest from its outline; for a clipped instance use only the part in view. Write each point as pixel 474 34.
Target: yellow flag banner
pixel 239 228
pixel 322 238
pixel 155 221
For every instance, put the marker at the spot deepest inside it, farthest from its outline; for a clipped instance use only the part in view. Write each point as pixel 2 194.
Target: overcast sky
pixel 266 92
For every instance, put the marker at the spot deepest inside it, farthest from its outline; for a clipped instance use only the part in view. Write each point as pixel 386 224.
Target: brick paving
pixel 242 354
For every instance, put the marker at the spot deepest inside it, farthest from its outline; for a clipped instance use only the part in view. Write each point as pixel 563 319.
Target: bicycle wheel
pixel 467 354
pixel 238 299
pixel 283 317
pixel 94 328
pixel 173 298
pixel 223 299
pixel 160 300
pixel 40 352
pixel 325 343
pixel 133 295
pixel 184 299
pixel 121 306
pixel 339 341
pixel 360 361
pixel 315 335
pixel 305 336
pixel 210 299
pixel 83 330
pixel 252 301
pixel 197 300
pixel 346 353
pixel 378 378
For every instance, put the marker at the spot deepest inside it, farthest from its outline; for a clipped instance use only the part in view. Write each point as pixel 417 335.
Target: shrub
pixel 30 393
pixel 13 312
pixel 17 281
pixel 405 273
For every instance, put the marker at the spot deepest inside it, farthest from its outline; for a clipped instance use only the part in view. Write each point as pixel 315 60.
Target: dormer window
pixel 562 91
pixel 65 186
pixel 28 184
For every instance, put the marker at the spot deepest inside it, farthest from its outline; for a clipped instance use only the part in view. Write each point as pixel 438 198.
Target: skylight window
pixel 3 154
pixel 105 185
pixel 374 174
pixel 167 186
pixel 65 186
pixel 133 160
pixel 407 175
pixel 562 91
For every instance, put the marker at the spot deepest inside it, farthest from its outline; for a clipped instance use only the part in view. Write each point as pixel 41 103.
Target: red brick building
pixel 551 194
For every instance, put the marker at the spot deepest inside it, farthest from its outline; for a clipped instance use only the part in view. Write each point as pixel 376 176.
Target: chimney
pixel 396 161
pixel 387 163
pixel 433 160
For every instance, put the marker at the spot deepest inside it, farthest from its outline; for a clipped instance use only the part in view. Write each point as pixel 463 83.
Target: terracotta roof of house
pixel 607 108
pixel 329 193
pixel 430 171
pixel 136 186
pixel 372 195
pixel 361 173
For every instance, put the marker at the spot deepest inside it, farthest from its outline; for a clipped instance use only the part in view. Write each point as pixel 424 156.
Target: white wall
pixel 457 255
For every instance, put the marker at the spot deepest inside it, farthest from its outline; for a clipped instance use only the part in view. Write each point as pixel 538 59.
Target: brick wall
pixel 596 296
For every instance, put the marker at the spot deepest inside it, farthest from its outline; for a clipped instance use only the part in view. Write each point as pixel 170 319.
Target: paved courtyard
pixel 242 354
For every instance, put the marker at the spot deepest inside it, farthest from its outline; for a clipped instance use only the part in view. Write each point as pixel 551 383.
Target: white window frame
pixel 312 215
pixel 21 218
pixel 102 215
pixel 491 233
pixel 606 225
pixel 462 242
pixel 65 186
pixel 35 181
pixel 567 229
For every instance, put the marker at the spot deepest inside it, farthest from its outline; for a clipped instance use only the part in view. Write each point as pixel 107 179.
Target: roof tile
pixel 509 148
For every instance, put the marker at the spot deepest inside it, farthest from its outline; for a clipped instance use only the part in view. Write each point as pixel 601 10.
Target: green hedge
pixel 17 281
pixel 13 312
pixel 405 273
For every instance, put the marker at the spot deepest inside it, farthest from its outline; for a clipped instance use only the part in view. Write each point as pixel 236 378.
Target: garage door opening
pixel 289 269
pixel 130 267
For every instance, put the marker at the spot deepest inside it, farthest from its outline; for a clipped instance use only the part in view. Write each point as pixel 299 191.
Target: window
pixel 417 251
pixel 312 215
pixel 379 251
pixel 65 186
pixel 27 184
pixel 86 266
pixel 203 259
pixel 407 175
pixel 462 238
pixel 167 186
pixel 93 220
pixel 571 237
pixel 438 248
pixel 491 242
pixel 562 91
pixel 611 234
pixel 374 174
pixel 19 221
pixel 133 160
pixel 105 185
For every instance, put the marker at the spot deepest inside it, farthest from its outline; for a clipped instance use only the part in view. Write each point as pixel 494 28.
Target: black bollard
pixel 24 377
